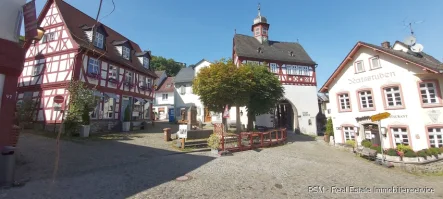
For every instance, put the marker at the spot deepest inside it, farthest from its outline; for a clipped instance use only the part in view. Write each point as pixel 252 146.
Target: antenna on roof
pixel 297 40
pixel 411 40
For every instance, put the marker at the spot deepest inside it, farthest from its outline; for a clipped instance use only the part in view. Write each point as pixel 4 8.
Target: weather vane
pixel 258 9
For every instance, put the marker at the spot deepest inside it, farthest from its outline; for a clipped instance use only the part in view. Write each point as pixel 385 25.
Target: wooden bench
pixel 367 152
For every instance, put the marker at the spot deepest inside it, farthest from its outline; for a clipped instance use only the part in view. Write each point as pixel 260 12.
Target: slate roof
pixel 247 46
pixel 185 75
pixel 167 85
pixel 76 19
pixel 159 72
pixel 419 58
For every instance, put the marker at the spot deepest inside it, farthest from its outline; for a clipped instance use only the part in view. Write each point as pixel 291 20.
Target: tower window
pixel 265 31
pixel 125 52
pixel 257 31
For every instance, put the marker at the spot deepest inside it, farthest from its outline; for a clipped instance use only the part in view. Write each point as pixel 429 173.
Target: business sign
pixel 182 131
pixel 380 116
pixel 30 19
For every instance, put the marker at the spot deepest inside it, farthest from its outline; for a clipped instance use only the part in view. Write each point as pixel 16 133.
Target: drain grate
pixel 183 178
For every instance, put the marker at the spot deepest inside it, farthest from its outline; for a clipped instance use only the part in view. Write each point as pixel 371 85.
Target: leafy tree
pixel 25 111
pixel 264 90
pixel 221 84
pixel 329 127
pixel 81 101
pixel 169 65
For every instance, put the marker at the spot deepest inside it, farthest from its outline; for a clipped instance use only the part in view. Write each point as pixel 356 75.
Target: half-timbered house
pixel 295 70
pixel 77 47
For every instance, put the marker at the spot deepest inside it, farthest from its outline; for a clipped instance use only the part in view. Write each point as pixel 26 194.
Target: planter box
pixel 422 159
pixel 410 159
pixel 430 158
pixel 126 126
pixel 84 131
pixel 393 158
pixel 440 156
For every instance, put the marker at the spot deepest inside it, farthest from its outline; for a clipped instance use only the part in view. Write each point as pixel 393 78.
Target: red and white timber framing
pixel 281 72
pixel 51 65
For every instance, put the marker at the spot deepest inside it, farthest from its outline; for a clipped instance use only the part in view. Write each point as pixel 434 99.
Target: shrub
pixel 329 127
pixel 403 148
pixel 434 151
pixel 428 152
pixel 350 143
pixel 366 143
pixel 440 150
pixel 213 141
pixel 85 117
pixel 375 147
pixel 410 154
pixel 391 152
pixel 422 153
pixel 127 116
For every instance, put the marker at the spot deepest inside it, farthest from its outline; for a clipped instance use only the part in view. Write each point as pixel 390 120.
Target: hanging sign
pixel 226 113
pixel 182 131
pixel 30 19
pixel 380 116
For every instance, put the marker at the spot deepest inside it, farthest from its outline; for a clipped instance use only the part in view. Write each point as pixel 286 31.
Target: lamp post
pixel 381 139
pixel 356 131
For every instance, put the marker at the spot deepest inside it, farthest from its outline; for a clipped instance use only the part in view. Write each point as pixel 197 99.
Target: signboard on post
pixel 58 100
pixel 182 131
pixel 226 112
pixel 30 19
pixel 380 116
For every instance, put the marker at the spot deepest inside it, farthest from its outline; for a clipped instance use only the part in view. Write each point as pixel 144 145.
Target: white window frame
pixel 348 133
pixel 98 39
pixel 377 60
pixel 429 93
pixel 94 64
pixel 109 108
pixel 400 133
pixel 113 71
pixel 344 100
pixel 164 97
pixel 435 136
pixel 274 67
pixel 126 52
pixel 129 75
pixel 36 70
pixel 356 66
pixel 365 96
pixel 391 90
pixel 50 36
pixel 264 31
pixel 257 31
pixel 145 62
pixel 94 113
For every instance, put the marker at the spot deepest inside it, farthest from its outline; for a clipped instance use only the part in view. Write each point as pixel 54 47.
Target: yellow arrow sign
pixel 380 116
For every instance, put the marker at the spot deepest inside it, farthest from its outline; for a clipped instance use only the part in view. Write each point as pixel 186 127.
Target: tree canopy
pixel 169 65
pixel 221 84
pixel 264 90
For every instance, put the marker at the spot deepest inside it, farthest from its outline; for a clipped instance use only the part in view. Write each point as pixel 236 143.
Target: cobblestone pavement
pixel 135 169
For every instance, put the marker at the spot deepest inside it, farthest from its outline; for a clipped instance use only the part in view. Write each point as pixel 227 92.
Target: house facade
pixel 375 79
pixel 296 71
pixel 76 47
pixel 164 99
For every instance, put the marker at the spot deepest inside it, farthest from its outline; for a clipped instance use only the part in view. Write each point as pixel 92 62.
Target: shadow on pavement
pixel 293 137
pixel 110 168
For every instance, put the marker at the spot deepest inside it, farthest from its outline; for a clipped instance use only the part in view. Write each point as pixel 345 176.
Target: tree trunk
pixel 237 118
pixel 251 119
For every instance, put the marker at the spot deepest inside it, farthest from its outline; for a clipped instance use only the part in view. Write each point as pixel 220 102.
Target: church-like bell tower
pixel 260 28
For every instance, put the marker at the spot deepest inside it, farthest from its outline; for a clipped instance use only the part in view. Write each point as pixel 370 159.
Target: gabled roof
pixel 201 61
pixel 75 20
pixel 247 46
pixel 422 60
pixel 167 85
pixel 185 75
pixel 159 72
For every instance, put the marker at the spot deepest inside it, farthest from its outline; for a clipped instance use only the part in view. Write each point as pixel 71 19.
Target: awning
pixel 98 94
pixel 139 99
pixel 111 95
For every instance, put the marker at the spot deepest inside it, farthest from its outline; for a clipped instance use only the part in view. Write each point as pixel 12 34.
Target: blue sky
pixel 189 30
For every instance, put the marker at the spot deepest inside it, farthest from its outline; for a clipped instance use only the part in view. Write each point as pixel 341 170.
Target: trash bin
pixel 7 164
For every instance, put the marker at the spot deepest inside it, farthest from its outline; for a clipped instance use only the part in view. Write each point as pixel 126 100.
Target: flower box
pixel 410 159
pixel 393 158
pixel 431 157
pixel 440 156
pixel 422 159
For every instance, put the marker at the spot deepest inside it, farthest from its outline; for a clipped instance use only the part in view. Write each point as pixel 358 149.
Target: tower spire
pixel 259 9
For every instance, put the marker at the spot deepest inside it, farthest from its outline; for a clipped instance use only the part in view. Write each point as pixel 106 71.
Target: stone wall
pixel 421 168
pixel 102 126
pixel 199 134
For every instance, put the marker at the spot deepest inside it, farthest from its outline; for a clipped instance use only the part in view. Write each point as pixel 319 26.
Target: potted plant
pixel 422 155
pixel 85 127
pixel 329 130
pixel 401 149
pixel 392 155
pixel 213 143
pixel 410 156
pixel 434 152
pixel 127 120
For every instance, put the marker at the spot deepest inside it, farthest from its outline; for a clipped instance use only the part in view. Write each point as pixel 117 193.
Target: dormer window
pixel 145 62
pixel 98 40
pixel 126 52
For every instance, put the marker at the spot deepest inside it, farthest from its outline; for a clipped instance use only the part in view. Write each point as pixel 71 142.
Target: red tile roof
pixel 167 85
pixel 75 19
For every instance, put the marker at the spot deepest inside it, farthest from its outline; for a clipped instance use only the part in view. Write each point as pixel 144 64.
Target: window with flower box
pixel 348 132
pixel 400 135
pixel 435 136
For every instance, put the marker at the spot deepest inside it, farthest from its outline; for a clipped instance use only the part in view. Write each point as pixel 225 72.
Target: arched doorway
pixel 285 115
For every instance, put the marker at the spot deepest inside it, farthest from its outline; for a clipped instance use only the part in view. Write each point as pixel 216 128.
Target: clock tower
pixel 260 28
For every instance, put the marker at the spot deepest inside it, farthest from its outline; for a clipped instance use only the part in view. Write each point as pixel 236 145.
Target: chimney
pixel 386 44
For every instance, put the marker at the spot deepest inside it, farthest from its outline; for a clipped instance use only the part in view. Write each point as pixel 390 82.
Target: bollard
pixel 167 134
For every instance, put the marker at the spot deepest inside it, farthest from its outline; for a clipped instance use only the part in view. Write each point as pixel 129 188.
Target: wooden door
pixel 208 117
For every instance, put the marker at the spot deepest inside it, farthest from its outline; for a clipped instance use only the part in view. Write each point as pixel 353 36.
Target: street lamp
pixel 40 33
pixel 383 131
pixel 356 129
